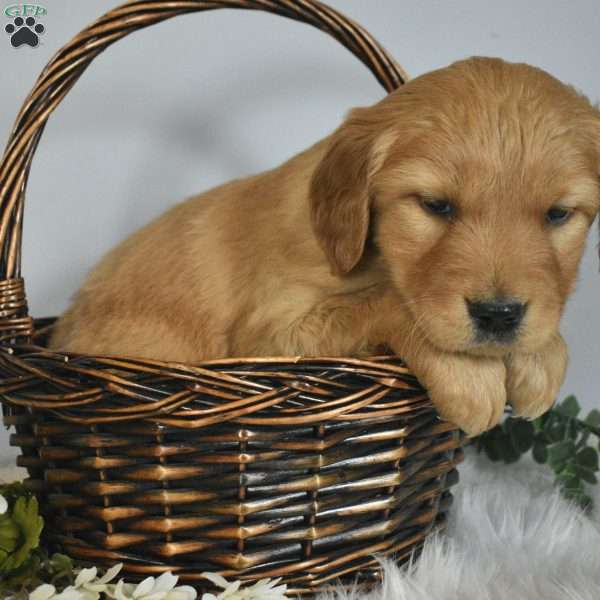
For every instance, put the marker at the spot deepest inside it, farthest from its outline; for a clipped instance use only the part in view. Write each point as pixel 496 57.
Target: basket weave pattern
pixel 259 467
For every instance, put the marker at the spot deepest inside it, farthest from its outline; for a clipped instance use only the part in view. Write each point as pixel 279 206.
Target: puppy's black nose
pixel 498 317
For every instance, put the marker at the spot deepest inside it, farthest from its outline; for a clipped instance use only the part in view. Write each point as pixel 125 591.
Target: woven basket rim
pixel 244 396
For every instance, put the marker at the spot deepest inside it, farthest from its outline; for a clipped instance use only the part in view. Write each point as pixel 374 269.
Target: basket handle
pixel 68 64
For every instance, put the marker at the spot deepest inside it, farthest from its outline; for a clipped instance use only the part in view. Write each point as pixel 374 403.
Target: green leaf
pixel 569 407
pixel 9 536
pixel 522 434
pixel 510 452
pixel 588 458
pixel 586 474
pixel 492 450
pixel 511 456
pixel 572 429
pixel 60 562
pixel 560 452
pixel 25 516
pixel 538 424
pixel 27 575
pixel 579 497
pixel 540 451
pixel 13 491
pixel 558 438
pixel 569 481
pixel 493 443
pixel 593 418
pixel 555 429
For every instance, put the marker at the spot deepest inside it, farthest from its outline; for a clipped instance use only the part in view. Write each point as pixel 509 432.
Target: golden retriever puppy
pixel 446 221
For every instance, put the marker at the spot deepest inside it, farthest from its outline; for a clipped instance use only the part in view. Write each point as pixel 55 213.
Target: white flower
pixel 90 587
pixel 162 588
pixel 43 592
pixel 86 586
pixel 3 504
pixel 265 589
pixel 48 592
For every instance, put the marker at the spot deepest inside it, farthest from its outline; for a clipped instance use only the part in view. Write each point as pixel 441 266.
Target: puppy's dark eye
pixel 438 206
pixel 558 215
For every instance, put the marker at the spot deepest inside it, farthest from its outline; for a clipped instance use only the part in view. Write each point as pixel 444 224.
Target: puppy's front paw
pixel 533 380
pixel 471 394
pixel 468 391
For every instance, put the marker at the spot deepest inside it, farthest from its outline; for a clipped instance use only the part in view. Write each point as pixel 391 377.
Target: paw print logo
pixel 24 31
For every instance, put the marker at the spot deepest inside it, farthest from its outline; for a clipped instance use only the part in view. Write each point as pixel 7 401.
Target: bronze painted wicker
pixel 296 467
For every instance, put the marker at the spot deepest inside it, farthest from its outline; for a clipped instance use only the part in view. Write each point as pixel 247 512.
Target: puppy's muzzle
pixel 497 319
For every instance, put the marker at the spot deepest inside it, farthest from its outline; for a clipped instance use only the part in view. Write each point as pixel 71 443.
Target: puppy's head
pixel 478 184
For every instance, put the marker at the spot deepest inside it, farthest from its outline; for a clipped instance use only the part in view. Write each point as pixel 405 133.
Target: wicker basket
pixel 296 467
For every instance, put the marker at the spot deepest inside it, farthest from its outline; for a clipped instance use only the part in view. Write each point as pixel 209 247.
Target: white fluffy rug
pixel 511 537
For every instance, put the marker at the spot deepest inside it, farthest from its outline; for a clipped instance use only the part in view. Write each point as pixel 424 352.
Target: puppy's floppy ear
pixel 339 191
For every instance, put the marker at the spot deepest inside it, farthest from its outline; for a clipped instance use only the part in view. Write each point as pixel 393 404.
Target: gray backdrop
pixel 190 103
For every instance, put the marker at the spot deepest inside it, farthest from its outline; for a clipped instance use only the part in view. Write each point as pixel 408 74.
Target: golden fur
pixel 333 253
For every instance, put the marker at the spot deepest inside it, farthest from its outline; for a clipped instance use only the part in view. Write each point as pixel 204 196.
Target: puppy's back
pixel 192 284
pixel 139 299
